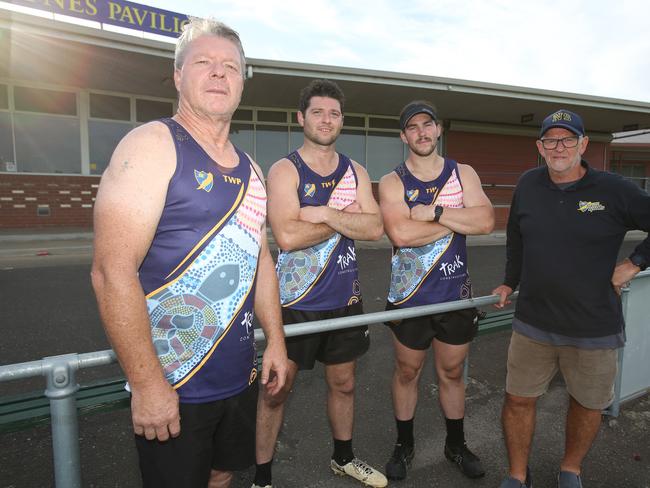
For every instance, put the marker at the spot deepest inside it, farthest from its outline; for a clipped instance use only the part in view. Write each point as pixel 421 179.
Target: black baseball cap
pixel 565 119
pixel 414 108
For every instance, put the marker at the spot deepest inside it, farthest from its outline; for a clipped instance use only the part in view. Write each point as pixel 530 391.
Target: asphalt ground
pixel 48 308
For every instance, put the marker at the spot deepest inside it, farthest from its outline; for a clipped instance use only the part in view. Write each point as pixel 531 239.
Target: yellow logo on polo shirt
pixel 590 206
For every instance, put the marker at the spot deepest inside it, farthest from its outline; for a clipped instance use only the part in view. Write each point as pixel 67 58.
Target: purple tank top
pixel 324 276
pixel 435 272
pixel 199 273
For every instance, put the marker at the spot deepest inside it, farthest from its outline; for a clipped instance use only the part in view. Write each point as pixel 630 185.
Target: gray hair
pixel 197 27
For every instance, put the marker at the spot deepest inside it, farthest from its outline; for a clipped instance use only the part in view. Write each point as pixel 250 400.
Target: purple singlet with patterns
pixel 435 272
pixel 199 273
pixel 324 276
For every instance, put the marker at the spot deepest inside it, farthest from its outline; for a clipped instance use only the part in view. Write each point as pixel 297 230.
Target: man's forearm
pixel 267 301
pixel 123 310
pixel 469 220
pixel 298 234
pixel 362 226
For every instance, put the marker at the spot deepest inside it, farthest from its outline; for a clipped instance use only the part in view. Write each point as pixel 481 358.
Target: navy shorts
pixel 457 328
pixel 334 347
pixel 215 435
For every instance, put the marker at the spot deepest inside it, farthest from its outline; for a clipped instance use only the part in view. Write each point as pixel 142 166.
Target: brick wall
pixel 68 200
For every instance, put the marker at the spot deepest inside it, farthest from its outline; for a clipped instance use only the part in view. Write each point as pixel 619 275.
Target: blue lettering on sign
pixel 116 12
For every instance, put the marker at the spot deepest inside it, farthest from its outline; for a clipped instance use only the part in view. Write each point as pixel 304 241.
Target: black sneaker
pixel 399 462
pixel 468 462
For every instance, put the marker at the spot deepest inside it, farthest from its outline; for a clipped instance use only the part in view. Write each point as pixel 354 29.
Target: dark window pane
pixel 242 136
pixel 296 138
pixel 268 116
pixel 294 117
pixel 6 144
pixel 45 101
pixel 243 114
pixel 146 110
pixel 47 144
pixel 271 144
pixel 110 107
pixel 4 97
pixel 385 152
pixel 354 121
pixel 352 144
pixel 377 123
pixel 103 137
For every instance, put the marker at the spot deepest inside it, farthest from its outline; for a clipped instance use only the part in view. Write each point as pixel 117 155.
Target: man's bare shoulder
pixel 389 180
pixel 282 168
pixel 146 149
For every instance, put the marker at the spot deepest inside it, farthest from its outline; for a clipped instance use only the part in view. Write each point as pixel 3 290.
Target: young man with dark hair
pixel 319 202
pixel 429 204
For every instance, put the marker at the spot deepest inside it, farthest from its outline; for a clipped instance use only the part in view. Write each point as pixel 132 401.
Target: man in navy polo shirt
pixel 567 222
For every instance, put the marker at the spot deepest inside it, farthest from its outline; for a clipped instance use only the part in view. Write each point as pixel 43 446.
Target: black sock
pixel 455 433
pixel 263 474
pixel 405 432
pixel 342 452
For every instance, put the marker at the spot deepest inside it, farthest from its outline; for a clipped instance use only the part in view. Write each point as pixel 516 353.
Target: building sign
pixel 116 12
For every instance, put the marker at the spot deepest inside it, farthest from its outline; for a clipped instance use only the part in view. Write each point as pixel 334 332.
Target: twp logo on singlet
pixel 450 268
pixel 232 180
pixel 344 260
pixel 328 184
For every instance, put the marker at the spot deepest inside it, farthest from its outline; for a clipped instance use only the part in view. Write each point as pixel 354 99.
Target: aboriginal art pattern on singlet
pixel 435 272
pixel 199 274
pixel 323 276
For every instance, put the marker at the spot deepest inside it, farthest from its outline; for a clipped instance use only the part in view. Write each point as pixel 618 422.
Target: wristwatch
pixel 437 213
pixel 639 260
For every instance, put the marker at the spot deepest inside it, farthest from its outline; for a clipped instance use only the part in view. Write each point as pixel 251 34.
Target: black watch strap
pixel 640 261
pixel 437 213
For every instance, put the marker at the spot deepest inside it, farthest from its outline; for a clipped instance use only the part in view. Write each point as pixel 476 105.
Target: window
pixel 4 97
pixel 45 101
pixel 147 110
pixel 47 144
pixel 296 138
pixel 243 114
pixel 243 136
pixel 352 144
pixel 382 123
pixel 385 152
pixel 103 137
pixel 6 143
pixel 354 121
pixel 110 107
pixel 272 143
pixel 269 116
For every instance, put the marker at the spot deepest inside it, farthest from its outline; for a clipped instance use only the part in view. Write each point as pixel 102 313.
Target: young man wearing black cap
pixel 566 225
pixel 429 204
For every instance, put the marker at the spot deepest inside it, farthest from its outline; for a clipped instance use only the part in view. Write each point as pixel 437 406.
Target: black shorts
pixel 216 435
pixel 456 328
pixel 335 347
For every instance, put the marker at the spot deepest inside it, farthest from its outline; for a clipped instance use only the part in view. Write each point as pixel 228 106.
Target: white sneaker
pixel 359 470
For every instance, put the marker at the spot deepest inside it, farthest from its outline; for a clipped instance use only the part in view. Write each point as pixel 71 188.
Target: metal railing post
pixel 60 372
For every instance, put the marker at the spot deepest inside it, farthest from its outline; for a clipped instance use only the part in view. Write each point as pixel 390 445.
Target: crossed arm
pixel 295 228
pixel 415 227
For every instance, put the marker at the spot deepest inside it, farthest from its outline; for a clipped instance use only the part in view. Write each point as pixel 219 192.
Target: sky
pixel 588 47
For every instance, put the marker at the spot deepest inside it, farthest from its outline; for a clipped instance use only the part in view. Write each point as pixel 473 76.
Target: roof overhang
pixel 43 50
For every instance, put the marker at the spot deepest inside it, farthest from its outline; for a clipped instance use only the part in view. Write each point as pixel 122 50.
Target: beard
pixel 321 139
pixel 423 151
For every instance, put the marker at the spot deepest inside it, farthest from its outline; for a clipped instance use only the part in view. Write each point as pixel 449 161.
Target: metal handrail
pixel 60 373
